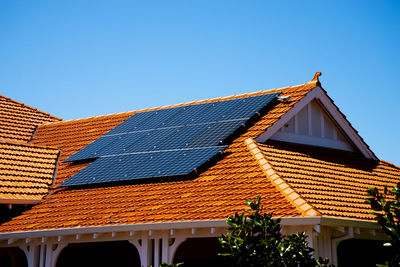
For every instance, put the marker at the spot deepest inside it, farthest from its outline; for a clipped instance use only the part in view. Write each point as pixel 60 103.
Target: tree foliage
pixel 386 207
pixel 256 240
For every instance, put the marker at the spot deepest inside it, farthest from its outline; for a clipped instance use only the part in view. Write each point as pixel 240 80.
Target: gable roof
pixel 18 121
pixel 26 172
pixel 215 194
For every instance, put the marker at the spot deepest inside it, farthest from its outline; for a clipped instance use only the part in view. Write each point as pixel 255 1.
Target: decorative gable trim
pixel 332 110
pixel 290 194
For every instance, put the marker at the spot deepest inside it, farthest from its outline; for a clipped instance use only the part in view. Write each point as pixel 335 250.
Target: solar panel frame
pixel 165 142
pixel 171 117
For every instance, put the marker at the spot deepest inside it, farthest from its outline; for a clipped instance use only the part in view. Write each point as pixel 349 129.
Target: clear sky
pixel 77 59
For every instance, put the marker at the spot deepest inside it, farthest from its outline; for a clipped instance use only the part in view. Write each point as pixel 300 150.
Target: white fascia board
pixel 116 228
pixel 285 221
pixel 331 109
pixel 328 221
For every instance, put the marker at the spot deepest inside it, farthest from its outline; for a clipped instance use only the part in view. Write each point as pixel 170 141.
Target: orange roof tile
pixel 26 172
pixel 297 200
pixel 214 194
pixel 294 180
pixel 332 181
pixel 18 121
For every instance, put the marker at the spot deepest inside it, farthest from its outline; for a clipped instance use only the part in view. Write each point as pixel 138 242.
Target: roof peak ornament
pixel 316 78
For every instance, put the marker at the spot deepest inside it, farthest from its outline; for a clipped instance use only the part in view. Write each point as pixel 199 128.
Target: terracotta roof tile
pixel 18 121
pixel 333 181
pixel 215 194
pixel 26 171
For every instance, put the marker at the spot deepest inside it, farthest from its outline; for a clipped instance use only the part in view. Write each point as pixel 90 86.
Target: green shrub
pixel 386 209
pixel 256 240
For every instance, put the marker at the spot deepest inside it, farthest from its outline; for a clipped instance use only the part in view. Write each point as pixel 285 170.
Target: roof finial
pixel 316 79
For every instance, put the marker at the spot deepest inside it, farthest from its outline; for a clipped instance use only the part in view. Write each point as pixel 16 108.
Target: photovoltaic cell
pixel 160 117
pixel 249 106
pixel 143 165
pixel 165 142
pixel 181 137
pixel 216 133
pixel 132 123
pixel 189 115
pixel 217 112
pixel 91 150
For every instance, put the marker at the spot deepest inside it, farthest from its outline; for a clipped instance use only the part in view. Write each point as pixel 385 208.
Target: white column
pixel 33 255
pixel 42 255
pixel 156 257
pixel 310 235
pixel 144 251
pixel 49 254
pixel 165 248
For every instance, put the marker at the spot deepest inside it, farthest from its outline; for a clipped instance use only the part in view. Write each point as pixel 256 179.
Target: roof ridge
pixel 6 141
pixel 289 193
pixel 194 102
pixel 32 108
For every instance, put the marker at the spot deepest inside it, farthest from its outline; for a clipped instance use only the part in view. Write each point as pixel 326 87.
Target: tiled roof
pixel 332 181
pixel 26 172
pixel 18 121
pixel 215 194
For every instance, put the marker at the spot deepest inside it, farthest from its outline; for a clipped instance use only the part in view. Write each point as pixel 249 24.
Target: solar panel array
pixel 165 142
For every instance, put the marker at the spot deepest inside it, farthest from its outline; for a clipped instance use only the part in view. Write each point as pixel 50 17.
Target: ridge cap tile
pixel 296 199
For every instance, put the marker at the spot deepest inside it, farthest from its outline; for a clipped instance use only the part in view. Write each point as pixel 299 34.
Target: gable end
pixel 332 113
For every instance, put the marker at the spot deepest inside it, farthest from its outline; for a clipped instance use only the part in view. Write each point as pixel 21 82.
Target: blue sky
pixel 77 59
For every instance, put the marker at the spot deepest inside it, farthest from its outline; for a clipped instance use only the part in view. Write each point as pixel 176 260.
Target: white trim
pixel 116 228
pixel 331 109
pixel 309 119
pixel 329 221
pixel 316 228
pixel 312 140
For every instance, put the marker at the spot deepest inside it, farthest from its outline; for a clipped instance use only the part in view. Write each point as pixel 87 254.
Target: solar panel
pixel 253 105
pixel 132 122
pixel 90 151
pixel 165 142
pixel 143 165
pixel 216 133
pixel 189 115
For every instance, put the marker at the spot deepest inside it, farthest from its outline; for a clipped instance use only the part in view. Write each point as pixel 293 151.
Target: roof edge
pixel 32 108
pixel 289 193
pixel 285 221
